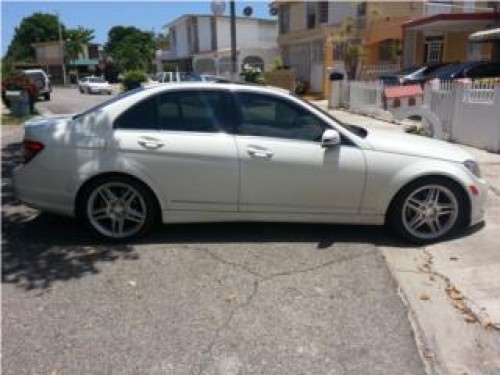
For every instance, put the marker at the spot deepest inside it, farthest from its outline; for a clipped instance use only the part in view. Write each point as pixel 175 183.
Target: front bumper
pixel 478 201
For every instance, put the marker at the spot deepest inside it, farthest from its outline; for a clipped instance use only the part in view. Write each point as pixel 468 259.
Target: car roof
pixel 213 85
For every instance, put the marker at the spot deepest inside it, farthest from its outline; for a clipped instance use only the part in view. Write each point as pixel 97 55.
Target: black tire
pixel 84 205
pixel 399 211
pixel 46 96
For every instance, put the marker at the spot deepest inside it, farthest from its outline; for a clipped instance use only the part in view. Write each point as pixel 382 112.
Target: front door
pixel 283 167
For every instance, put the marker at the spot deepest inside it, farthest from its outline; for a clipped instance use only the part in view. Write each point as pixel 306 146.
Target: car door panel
pixel 284 168
pixel 296 176
pixel 196 166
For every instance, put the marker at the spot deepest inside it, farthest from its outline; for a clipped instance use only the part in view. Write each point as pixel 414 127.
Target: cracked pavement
pixel 198 299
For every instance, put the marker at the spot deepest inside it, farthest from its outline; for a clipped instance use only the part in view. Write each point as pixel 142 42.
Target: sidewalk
pixel 452 289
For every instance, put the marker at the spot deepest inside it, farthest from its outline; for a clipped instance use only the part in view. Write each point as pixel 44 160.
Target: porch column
pixel 408 48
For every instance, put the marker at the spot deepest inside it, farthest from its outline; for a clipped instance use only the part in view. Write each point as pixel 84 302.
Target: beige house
pixel 49 57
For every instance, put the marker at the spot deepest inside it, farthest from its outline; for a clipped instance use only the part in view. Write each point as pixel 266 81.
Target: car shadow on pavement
pixel 40 248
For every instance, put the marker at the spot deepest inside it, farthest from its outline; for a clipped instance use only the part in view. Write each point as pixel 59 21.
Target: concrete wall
pixel 297 16
pixel 249 33
pixel 182 48
pixel 455 48
pixel 204 34
pixel 394 9
pixel 339 10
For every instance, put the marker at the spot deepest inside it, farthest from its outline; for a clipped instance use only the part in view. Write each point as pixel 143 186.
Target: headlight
pixel 473 166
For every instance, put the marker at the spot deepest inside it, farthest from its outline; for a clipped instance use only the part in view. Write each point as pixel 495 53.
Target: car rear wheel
pixel 428 210
pixel 118 208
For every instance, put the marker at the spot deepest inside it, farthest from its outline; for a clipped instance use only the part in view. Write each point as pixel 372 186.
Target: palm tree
pixel 76 39
pixel 347 44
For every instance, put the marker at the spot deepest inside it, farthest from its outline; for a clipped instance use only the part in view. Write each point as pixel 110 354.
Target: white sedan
pixel 94 85
pixel 200 152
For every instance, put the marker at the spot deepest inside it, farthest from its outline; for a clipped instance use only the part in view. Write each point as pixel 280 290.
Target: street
pixel 196 299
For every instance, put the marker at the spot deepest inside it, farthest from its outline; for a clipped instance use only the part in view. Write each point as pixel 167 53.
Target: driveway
pixel 69 100
pixel 197 299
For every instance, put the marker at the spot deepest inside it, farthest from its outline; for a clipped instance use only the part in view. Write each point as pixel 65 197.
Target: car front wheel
pixel 428 210
pixel 118 208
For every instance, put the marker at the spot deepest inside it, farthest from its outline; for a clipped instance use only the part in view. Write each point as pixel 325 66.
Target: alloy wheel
pixel 117 210
pixel 430 212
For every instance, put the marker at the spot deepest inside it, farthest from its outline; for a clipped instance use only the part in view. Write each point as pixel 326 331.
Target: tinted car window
pixel 195 111
pixel 268 116
pixel 484 71
pixel 143 115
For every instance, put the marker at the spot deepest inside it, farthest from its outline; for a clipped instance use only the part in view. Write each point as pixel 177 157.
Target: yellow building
pixel 445 38
pixel 307 32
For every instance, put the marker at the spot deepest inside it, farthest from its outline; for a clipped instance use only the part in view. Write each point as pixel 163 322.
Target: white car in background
pixel 94 85
pixel 201 152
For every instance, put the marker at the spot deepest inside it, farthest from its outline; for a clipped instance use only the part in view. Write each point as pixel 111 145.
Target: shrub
pixel 417 130
pixel 21 82
pixel 252 74
pixel 133 79
pixel 301 86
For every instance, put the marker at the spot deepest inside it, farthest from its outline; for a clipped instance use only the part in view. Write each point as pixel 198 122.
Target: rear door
pixel 180 139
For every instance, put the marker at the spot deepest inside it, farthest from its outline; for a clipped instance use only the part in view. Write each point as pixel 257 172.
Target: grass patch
pixel 8 119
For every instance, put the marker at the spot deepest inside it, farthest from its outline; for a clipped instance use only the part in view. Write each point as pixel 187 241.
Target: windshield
pixel 108 102
pixel 358 130
pixel 446 71
pixel 96 80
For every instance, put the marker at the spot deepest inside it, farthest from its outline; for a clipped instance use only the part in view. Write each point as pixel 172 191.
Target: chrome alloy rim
pixel 430 212
pixel 116 210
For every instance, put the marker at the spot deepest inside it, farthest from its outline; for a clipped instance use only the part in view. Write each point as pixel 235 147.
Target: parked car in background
pixel 94 85
pixel 213 78
pixel 168 77
pixel 203 152
pixel 41 80
pixel 469 71
pixel 411 76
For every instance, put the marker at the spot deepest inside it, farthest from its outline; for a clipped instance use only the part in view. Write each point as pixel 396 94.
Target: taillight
pixel 31 149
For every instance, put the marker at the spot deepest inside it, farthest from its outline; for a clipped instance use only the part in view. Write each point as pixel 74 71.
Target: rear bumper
pixel 48 197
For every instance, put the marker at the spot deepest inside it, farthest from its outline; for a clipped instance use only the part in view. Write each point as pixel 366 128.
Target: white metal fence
pixel 370 71
pixel 468 113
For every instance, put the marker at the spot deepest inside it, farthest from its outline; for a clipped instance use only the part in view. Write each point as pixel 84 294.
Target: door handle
pixel 150 143
pixel 259 153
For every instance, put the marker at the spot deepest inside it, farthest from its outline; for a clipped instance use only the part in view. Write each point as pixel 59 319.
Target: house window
pixel 284 19
pixel 173 38
pixel 254 62
pixel 362 9
pixel 433 49
pixel 213 33
pixel 196 44
pixel 323 11
pixel 311 14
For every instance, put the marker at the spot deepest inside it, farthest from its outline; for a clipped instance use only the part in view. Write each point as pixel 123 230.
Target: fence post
pixel 459 90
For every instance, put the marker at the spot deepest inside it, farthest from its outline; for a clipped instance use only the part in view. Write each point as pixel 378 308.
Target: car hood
pixel 415 145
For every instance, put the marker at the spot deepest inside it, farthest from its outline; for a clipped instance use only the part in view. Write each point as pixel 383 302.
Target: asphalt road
pixel 197 299
pixel 69 100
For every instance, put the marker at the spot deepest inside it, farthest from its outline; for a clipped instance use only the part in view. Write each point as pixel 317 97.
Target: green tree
pixel 76 39
pixel 130 48
pixel 39 27
pixel 347 46
pixel 162 41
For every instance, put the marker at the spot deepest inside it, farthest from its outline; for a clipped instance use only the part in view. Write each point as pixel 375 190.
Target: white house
pixel 202 43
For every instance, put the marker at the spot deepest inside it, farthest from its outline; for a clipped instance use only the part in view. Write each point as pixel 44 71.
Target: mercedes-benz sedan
pixel 200 152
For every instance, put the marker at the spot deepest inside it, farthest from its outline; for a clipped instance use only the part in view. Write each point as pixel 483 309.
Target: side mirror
pixel 330 138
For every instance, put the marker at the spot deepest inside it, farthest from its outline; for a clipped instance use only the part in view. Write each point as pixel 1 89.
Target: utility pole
pixel 61 45
pixel 234 69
